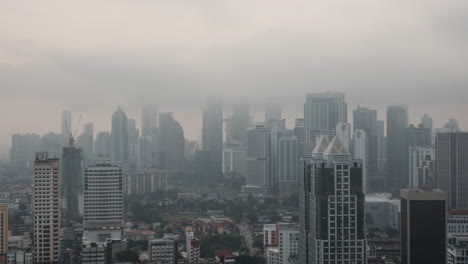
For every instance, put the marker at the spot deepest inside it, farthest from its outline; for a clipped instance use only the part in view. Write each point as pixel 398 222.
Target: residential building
pixel 46 182
pixel 145 157
pixel 457 249
pixel 3 229
pixel 421 211
pixel 162 251
pixel 421 166
pixel 457 222
pixel 94 253
pixel 193 248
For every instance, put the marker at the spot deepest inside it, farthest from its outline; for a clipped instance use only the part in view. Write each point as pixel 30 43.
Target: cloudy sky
pixel 91 56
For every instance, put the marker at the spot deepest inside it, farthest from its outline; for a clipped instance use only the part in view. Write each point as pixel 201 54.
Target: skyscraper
pixel 71 181
pixel 451 167
pixel 332 206
pixel 133 134
pixel 419 136
pixel 46 182
pixel 175 151
pixel 23 149
pixel 381 148
pixel 119 138
pixel 103 202
pixel 212 131
pixel 366 119
pixel 144 161
pixel 421 166
pixel 361 152
pixel 288 165
pixel 103 145
pixel 423 226
pixel 299 132
pixel 238 123
pixel 86 142
pixel 397 147
pixel 258 159
pixel 273 110
pixel 149 119
pixel 343 131
pixel 322 112
pixel 3 229
pixel 66 126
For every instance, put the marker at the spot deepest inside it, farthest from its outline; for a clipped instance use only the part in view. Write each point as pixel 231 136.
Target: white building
pixel 281 242
pixel 361 152
pixel 421 165
pixel 162 251
pixel 19 257
pixel 103 202
pixel 193 248
pixel 457 249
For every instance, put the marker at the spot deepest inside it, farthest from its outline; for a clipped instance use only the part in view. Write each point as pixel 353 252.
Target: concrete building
pixel 46 182
pixel 94 253
pixel 238 123
pixel 23 149
pixel 422 211
pixel 282 241
pixel 3 229
pixel 397 147
pixel 457 222
pixel 299 132
pixel 457 249
pixel 235 161
pixel 322 112
pixel 258 159
pixel 421 166
pixel 451 163
pixel 103 202
pixel 145 157
pixel 366 119
pixel 361 152
pixel 149 119
pixel 288 165
pixel 193 248
pixel 119 139
pixel 162 251
pixel 212 131
pixel 71 181
pixel 382 211
pixel 343 131
pixel 19 257
pixel 331 202
pixel 102 146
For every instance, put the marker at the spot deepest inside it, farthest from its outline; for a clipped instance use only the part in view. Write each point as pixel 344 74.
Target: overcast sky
pixel 91 56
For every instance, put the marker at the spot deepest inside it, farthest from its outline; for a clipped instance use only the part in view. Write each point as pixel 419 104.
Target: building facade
pixel 397 147
pixel 3 229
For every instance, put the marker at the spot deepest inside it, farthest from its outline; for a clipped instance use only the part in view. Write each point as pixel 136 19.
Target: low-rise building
pixel 162 251
pixel 382 211
pixel 19 257
pixel 225 256
pixel 138 235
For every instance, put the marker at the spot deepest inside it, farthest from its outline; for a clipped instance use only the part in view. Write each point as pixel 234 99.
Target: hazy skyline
pixel 91 56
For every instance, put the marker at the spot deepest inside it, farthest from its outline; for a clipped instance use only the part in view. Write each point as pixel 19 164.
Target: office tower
pixel 397 147
pixel 46 182
pixel 421 166
pixel 419 136
pixel 283 238
pixel 144 159
pixel 426 121
pixel 343 131
pixel 332 206
pixel 299 132
pixel 193 248
pixel 71 181
pixel 277 130
pixel 174 158
pixel 204 167
pixel 145 182
pixel 423 226
pixel 133 135
pixel 288 165
pixel 166 120
pixel 103 202
pixel 381 148
pixel 366 119
pixel 238 123
pixel 103 145
pixel 273 110
pixel 52 143
pixel 149 119
pixel 322 112
pixel 23 149
pixel 258 159
pixel 66 126
pixel 361 152
pixel 119 138
pixel 235 161
pixel 86 141
pixel 451 163
pixel 212 131
pixel 3 229
pixel 162 251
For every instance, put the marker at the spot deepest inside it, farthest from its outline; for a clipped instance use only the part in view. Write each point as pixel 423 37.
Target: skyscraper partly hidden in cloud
pixel 119 138
pixel 397 147
pixel 212 132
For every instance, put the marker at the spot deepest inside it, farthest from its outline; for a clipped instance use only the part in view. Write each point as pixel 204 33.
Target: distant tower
pixel 119 138
pixel 212 132
pixel 366 119
pixel 103 145
pixel 86 141
pixel 361 152
pixel 397 146
pixel 322 112
pixel 343 131
pixel 149 119
pixel 288 165
pixel 273 110
pixel 71 179
pixel 46 182
pixel 175 152
pixel 238 123
pixel 423 226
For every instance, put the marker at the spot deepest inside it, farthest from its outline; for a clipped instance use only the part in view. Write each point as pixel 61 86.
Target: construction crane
pixel 71 137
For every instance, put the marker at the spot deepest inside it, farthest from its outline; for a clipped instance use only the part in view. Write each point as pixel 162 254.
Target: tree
pixel 128 256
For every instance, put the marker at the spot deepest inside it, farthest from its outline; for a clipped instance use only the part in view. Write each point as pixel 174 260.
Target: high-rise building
pixel 212 131
pixel 397 147
pixel 144 159
pixel 284 238
pixel 322 112
pixel 166 120
pixel 149 119
pixel 162 251
pixel 258 159
pixel 381 148
pixel 3 229
pixel 86 142
pixel 145 182
pixel 421 166
pixel 103 145
pixel 23 149
pixel 238 123
pixel 103 202
pixel 426 121
pixel 52 143
pixel 332 206
pixel 235 161
pixel 451 164
pixel 71 181
pixel 343 131
pixel 119 138
pixel 419 136
pixel 288 165
pixel 193 248
pixel 361 152
pixel 273 110
pixel 174 158
pixel 423 226
pixel 46 182
pixel 277 130
pixel 66 126
pixel 366 119
pixel 299 132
